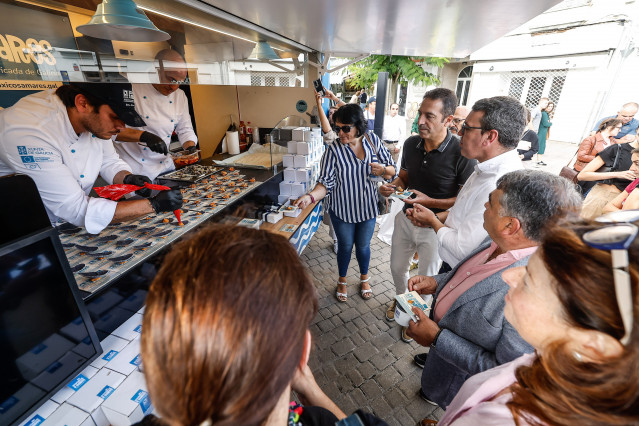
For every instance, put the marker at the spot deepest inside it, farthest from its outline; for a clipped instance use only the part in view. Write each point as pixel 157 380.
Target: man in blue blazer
pixel 467 332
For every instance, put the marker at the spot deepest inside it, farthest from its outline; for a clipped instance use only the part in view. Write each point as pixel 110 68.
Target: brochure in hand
pixel 412 299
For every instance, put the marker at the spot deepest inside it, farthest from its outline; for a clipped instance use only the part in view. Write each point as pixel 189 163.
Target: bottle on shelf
pixel 249 134
pixel 242 136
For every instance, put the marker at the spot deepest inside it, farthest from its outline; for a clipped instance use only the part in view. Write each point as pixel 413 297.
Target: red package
pixel 117 191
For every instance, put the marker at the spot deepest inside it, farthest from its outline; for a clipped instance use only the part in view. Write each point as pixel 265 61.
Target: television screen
pixel 46 336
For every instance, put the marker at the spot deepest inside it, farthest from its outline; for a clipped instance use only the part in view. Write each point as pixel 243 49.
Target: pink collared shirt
pixel 473 271
pixel 478 401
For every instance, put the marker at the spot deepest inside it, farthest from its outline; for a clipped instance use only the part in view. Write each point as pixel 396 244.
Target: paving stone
pixel 365 352
pixel 355 377
pixel 371 389
pixel 366 369
pixel 326 325
pixel 395 397
pixel 401 418
pixel 419 409
pixel 343 347
pixel 388 378
pixel 382 360
pixel 358 397
pixel 381 408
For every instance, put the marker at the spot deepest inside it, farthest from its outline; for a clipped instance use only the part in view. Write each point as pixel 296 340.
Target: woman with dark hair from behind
pixel 223 344
pixel 346 169
pixel 580 310
pixel 593 145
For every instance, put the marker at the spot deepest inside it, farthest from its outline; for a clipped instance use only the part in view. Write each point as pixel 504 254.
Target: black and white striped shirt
pixel 353 195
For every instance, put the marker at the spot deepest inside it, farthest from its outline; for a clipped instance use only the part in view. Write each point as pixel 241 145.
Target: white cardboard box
pixel 74 385
pixel 127 360
pixel 303 148
pixel 99 418
pixel 41 356
pixel 103 303
pixel 19 402
pixel 292 147
pixel 289 174
pixel 111 346
pixel 286 188
pixel 274 217
pixel 58 371
pixel 281 199
pixel 288 160
pixel 298 189
pixel 97 390
pixel 302 174
pixel 110 319
pixel 131 329
pixel 129 403
pixel 134 301
pixel 42 413
pixel 69 415
pixel 298 134
pixel 301 161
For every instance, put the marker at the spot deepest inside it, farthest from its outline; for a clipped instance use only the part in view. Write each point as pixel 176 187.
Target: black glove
pixel 167 201
pixel 154 143
pixel 138 180
pixel 191 149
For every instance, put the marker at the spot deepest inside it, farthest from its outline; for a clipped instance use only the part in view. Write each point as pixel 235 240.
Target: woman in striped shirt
pixel 346 171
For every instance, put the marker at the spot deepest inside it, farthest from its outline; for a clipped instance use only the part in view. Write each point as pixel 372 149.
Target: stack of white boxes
pixel 301 164
pixel 108 392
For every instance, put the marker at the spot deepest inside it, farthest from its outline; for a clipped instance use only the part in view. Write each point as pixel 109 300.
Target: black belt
pixel 391 141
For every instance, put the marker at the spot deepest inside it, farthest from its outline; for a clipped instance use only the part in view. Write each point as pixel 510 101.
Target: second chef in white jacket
pixel 165 109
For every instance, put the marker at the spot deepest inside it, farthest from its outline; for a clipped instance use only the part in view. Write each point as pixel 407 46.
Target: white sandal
pixel 365 293
pixel 341 297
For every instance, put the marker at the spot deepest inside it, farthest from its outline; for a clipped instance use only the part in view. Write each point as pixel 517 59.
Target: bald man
pixel 461 112
pixel 165 109
pixel 629 123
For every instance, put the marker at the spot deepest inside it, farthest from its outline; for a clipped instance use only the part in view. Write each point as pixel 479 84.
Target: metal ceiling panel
pixel 451 28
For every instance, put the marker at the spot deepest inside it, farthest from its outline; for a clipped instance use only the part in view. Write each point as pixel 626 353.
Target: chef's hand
pixel 167 201
pixel 154 143
pixel 138 180
pixel 191 149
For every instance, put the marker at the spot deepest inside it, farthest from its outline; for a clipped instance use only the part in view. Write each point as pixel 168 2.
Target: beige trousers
pixel 597 198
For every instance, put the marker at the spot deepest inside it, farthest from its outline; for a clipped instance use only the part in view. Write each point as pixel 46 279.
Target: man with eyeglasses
pixel 490 135
pixel 165 109
pixel 629 123
pixel 461 112
pixel 434 169
pixel 394 131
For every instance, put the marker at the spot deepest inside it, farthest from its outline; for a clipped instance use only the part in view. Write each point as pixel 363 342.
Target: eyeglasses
pixel 465 127
pixel 617 237
pixel 344 129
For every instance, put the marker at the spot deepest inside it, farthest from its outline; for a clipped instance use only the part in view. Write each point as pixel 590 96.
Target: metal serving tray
pixel 191 174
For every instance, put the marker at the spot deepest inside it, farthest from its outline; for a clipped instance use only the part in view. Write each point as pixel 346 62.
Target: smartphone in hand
pixel 319 88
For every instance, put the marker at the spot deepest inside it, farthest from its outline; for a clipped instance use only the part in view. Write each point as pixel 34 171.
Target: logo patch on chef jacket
pixel 127 97
pixel 31 156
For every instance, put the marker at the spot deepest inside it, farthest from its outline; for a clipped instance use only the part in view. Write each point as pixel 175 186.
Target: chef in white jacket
pixel 62 140
pixel 165 109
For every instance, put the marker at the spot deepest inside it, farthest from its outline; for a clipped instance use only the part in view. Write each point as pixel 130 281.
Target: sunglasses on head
pixel 616 237
pixel 346 128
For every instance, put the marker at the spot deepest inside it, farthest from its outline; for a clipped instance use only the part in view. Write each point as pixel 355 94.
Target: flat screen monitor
pixel 46 336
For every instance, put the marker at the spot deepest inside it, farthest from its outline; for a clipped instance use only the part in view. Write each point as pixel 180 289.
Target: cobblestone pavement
pixel 359 359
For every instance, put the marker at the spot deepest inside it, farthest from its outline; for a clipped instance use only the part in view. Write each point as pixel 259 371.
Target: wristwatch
pixel 434 343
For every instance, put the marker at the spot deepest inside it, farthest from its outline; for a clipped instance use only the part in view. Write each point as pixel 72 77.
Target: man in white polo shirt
pixel 490 135
pixel 165 109
pixel 62 140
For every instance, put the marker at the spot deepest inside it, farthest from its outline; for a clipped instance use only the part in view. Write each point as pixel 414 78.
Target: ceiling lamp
pixel 263 50
pixel 122 20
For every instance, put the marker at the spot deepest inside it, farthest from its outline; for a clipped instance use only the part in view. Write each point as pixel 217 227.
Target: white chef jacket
pixel 395 129
pixel 162 115
pixel 464 229
pixel 38 140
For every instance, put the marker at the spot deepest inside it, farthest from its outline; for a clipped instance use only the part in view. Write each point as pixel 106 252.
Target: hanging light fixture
pixel 263 50
pixel 122 20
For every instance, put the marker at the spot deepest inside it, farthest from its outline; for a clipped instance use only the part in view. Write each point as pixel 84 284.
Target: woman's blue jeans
pixel 360 234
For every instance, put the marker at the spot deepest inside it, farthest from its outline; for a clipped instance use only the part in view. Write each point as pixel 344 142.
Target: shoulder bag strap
pixel 614 163
pixel 367 137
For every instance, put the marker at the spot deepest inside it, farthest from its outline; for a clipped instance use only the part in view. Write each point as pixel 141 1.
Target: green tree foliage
pixel 401 70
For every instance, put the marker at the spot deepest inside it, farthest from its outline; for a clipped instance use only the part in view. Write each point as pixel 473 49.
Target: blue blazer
pixel 475 335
